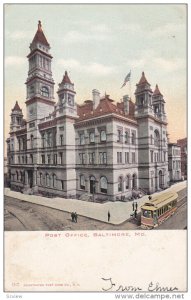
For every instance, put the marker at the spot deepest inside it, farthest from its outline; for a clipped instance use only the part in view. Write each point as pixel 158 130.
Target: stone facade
pixel 174 162
pixel 183 146
pixel 99 149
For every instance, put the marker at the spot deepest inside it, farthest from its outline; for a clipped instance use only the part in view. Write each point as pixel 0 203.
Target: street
pixel 26 216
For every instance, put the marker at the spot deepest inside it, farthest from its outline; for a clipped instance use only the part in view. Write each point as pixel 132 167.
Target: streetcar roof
pixel 160 200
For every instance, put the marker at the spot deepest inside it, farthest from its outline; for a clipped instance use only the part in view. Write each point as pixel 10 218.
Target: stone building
pixel 101 148
pixel 174 162
pixel 183 145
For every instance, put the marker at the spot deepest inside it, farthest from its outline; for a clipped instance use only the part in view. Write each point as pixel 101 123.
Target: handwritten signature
pixel 152 287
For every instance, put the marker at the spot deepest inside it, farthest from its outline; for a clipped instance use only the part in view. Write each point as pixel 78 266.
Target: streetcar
pixel 158 209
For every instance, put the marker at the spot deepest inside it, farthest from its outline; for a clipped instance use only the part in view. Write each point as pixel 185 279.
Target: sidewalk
pixel 119 211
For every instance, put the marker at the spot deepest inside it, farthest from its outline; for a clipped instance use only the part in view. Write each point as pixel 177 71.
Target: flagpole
pixel 130 86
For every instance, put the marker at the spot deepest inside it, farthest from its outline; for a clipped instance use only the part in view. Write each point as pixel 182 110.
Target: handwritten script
pixel 110 285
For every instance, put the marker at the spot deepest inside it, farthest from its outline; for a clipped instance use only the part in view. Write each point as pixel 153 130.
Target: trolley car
pixel 159 208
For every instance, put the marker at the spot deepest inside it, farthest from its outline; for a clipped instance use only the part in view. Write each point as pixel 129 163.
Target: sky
pixel 98 45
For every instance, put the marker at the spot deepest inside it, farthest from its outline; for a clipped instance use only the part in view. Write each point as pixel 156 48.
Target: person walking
pixel 136 205
pixel 135 213
pixel 133 204
pixel 108 216
pixel 72 216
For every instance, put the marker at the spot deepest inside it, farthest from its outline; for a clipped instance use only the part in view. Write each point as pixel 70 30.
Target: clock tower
pixel 39 84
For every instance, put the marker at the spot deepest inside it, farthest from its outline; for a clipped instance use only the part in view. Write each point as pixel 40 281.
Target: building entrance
pixel 30 178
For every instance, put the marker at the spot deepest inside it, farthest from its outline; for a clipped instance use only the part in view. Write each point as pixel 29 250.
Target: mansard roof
pixel 16 107
pixel 106 106
pixel 157 91
pixel 39 36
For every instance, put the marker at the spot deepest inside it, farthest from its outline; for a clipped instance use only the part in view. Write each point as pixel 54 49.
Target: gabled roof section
pixel 16 107
pixel 157 91
pixel 39 36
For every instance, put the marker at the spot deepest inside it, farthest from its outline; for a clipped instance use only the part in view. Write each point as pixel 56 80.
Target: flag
pixel 127 78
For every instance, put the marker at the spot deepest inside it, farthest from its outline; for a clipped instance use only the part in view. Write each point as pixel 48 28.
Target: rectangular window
pixel 55 159
pixel 119 157
pixel 126 137
pixel 61 139
pixel 19 159
pixel 31 158
pixel 43 159
pixel 82 158
pixel 49 159
pixel 49 139
pixel 103 136
pixel 119 135
pixel 151 156
pixel 82 139
pixel 103 158
pixel 62 184
pixel 133 158
pixel 23 160
pixel 43 140
pixel 126 157
pixel 92 158
pixel 61 158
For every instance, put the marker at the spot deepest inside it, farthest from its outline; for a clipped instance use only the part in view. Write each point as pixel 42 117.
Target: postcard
pixel 95 139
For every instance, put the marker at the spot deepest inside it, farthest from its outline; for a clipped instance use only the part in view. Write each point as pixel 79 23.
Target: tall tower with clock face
pixel 39 84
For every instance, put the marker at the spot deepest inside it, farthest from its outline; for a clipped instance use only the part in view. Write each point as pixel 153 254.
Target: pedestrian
pixel 76 217
pixel 135 213
pixel 133 204
pixel 72 216
pixel 108 216
pixel 150 197
pixel 136 205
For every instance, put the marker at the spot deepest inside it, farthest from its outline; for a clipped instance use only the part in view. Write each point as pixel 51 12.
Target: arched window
pixel 82 182
pixel 127 182
pixel 54 180
pixel 134 181
pixel 21 176
pixel 45 91
pixel 120 184
pixel 156 138
pixel 47 180
pixel 103 184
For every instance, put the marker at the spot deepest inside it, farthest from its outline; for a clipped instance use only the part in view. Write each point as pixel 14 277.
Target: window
pixel 31 158
pixel 103 185
pixel 23 159
pixel 133 158
pixel 120 184
pixel 92 137
pixel 43 140
pixel 26 159
pixel 126 157
pixel 49 138
pixel 156 138
pixel 19 159
pixel 61 139
pixel 32 124
pixel 102 136
pixel 62 184
pixel 164 155
pixel 82 158
pixel 119 157
pixel 47 180
pixel 43 159
pixel 133 138
pixel 41 182
pixel 127 183
pixel 45 91
pixel 49 159
pixel 119 135
pixel 151 153
pixel 54 180
pixel 32 141
pixel 61 158
pixel 55 159
pixel 92 158
pixel 82 182
pixel 134 181
pixel 103 158
pixel 126 137
pixel 82 139
pixel 17 175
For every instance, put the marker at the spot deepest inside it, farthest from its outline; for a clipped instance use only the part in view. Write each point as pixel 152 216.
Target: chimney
pixel 126 104
pixel 96 98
